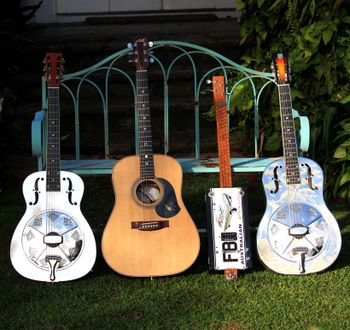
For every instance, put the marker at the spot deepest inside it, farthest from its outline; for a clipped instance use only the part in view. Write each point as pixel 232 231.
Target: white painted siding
pixel 82 6
pixel 64 11
pixel 134 5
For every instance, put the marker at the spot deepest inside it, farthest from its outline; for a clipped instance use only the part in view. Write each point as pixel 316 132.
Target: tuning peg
pixel 151 60
pixel 208 81
pixel 150 44
pixel 130 45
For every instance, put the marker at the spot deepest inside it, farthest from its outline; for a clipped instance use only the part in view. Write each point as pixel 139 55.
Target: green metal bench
pixel 191 164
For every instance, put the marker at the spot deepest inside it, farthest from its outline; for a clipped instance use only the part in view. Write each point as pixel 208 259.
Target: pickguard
pixel 168 207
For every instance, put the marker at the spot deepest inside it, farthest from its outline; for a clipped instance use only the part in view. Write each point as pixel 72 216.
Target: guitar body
pixel 53 241
pixel 297 234
pixel 149 232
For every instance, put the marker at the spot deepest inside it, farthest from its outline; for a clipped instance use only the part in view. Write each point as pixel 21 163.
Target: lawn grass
pixel 195 299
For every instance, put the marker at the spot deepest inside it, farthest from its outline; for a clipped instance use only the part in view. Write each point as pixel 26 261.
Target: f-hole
pixel 276 180
pixel 148 192
pixel 36 191
pixel 309 177
pixel 70 191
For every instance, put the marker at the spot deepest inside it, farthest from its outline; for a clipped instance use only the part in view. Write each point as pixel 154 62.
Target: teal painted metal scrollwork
pixel 183 51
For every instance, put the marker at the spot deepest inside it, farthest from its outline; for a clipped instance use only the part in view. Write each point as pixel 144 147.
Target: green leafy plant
pixel 316 34
pixel 340 163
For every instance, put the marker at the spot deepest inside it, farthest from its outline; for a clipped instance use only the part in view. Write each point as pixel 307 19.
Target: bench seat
pixel 189 165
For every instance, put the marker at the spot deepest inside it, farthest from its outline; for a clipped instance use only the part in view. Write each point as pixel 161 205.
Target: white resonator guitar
pixel 53 241
pixel 297 234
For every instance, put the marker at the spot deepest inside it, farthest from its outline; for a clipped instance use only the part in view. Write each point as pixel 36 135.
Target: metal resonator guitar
pixel 53 242
pixel 297 234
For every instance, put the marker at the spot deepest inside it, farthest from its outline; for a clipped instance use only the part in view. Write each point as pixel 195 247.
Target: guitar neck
pixel 144 121
pixel 222 132
pixel 53 140
pixel 290 146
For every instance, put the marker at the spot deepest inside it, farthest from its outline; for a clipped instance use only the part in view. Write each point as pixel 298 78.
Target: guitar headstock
pixel 53 68
pixel 219 92
pixel 281 68
pixel 140 55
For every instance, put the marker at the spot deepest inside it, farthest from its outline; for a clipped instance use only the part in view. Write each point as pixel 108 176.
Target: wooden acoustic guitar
pixel 297 234
pixel 149 232
pixel 53 242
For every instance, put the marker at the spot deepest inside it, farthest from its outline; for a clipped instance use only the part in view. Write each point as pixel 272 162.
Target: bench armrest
pixel 303 134
pixel 38 137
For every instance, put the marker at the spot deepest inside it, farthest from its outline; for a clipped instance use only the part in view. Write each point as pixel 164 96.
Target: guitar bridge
pixel 149 225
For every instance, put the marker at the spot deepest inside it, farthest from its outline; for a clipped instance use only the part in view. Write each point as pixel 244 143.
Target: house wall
pixel 65 11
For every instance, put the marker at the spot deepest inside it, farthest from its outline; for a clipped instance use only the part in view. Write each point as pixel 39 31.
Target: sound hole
pixel 148 192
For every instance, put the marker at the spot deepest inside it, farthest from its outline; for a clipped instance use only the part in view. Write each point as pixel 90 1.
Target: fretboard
pixel 53 141
pixel 222 132
pixel 290 146
pixel 144 121
pixel 223 146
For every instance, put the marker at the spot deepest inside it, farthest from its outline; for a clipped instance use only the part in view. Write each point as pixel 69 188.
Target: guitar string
pixel 47 195
pixel 49 166
pixel 295 158
pixel 53 175
pixel 293 163
pixel 144 186
pixel 224 151
pixel 220 100
pixel 281 99
pixel 148 130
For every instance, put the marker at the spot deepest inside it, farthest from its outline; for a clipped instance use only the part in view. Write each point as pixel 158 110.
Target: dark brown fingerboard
pixel 53 141
pixel 144 120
